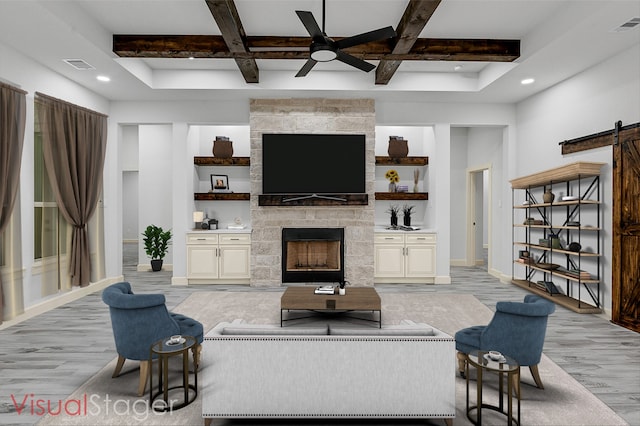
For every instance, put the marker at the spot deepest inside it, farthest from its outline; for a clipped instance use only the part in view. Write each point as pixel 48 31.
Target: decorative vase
pixel 392 187
pixel 222 148
pixel 548 196
pixel 342 291
pixel 406 219
pixel 415 188
pixel 398 147
pixel 394 220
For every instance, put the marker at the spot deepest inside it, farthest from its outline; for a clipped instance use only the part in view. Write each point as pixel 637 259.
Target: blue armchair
pixel 138 321
pixel 517 330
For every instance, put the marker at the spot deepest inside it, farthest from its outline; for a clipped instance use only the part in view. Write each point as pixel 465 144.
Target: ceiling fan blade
pixel 354 62
pixel 306 68
pixel 310 23
pixel 375 35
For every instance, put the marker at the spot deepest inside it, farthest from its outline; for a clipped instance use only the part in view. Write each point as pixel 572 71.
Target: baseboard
pixel 74 294
pixel 442 279
pixel 458 262
pixel 179 281
pixel 506 279
pixel 146 267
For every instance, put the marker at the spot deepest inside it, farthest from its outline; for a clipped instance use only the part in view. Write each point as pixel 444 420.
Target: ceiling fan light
pixel 322 52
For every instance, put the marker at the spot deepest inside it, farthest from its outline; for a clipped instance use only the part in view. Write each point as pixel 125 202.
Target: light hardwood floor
pixel 49 356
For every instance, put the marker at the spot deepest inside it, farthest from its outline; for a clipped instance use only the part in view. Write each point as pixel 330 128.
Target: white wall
pixel 590 102
pixel 155 182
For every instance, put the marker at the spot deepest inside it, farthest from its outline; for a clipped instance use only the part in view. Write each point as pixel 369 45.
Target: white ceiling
pixel 559 39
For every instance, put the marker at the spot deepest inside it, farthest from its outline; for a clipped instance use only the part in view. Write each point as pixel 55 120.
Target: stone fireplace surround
pixel 316 115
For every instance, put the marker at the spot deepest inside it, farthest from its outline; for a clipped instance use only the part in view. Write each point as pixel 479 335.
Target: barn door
pixel 625 301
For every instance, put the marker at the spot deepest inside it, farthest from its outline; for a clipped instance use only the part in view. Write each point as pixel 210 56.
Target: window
pixel 50 228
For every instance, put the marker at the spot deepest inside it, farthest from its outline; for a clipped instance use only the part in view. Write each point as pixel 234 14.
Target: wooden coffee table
pixel 303 298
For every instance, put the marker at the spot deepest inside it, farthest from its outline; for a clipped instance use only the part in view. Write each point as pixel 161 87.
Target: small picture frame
pixel 219 183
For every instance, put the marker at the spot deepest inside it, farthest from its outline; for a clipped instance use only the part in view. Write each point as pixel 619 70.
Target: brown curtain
pixel 74 141
pixel 13 110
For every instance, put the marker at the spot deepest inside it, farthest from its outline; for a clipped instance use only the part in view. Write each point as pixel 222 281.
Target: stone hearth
pixel 321 115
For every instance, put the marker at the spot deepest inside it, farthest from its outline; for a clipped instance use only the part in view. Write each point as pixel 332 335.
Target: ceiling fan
pixel 325 49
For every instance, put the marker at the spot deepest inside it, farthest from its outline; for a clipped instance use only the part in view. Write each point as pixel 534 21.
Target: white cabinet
pixel 404 257
pixel 218 258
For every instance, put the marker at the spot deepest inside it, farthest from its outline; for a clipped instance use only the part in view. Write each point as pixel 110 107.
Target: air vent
pixel 630 24
pixel 79 64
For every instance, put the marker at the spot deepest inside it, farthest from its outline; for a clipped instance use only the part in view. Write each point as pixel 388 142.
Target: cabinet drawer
pixel 202 239
pixel 235 239
pixel 389 238
pixel 421 238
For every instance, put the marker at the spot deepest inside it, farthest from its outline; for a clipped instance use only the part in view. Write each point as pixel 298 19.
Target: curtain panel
pixel 13 110
pixel 74 142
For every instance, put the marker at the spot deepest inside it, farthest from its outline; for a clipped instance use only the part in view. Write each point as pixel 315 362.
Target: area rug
pixel 103 400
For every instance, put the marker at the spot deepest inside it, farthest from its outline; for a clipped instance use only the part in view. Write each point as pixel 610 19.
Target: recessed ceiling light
pixel 103 78
pixel 527 81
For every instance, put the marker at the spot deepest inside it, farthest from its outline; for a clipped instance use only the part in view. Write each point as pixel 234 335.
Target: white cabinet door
pixel 421 261
pixel 202 261
pixel 389 260
pixel 234 261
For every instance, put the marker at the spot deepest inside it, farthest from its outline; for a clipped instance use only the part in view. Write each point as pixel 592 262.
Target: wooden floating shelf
pixel 295 200
pixel 560 299
pixel 402 195
pixel 558 273
pixel 221 196
pixel 217 161
pixel 405 161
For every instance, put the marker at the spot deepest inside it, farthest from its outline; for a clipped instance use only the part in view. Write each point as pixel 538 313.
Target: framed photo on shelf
pixel 219 183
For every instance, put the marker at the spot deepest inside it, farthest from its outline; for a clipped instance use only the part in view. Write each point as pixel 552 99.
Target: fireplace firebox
pixel 312 255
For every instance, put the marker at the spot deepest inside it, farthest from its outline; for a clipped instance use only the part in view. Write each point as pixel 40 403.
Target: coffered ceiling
pixel 448 50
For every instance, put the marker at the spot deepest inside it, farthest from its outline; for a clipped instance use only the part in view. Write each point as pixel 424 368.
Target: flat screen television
pixel 313 164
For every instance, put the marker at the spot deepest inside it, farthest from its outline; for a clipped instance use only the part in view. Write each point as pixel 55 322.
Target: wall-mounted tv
pixel 313 163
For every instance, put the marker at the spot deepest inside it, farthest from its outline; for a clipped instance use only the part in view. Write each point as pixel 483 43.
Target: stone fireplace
pixel 339 116
pixel 312 255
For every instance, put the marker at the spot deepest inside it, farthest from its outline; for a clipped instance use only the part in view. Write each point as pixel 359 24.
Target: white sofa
pixel 267 371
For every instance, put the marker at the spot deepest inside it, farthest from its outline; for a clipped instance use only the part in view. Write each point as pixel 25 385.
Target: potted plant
pixel 406 211
pixel 393 211
pixel 156 244
pixel 342 290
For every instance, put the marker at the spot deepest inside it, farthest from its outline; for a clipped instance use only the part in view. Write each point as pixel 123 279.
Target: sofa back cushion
pixel 390 330
pixel 273 330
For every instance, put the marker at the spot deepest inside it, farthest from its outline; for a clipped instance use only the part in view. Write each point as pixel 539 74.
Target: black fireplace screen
pixel 312 255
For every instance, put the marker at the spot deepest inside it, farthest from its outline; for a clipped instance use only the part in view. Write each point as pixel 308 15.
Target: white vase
pixel 342 291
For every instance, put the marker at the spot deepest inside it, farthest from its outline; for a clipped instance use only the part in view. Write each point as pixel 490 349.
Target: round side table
pixel 164 351
pixel 504 367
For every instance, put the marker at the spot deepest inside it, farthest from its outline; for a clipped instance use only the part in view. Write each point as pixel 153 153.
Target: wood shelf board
pixel 573 228
pixel 296 200
pixel 402 195
pixel 221 196
pixel 217 161
pixel 405 161
pixel 560 299
pixel 557 204
pixel 575 253
pixel 557 273
pixel 573 171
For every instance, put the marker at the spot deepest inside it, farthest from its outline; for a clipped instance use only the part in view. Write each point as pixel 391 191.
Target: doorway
pixel 478 251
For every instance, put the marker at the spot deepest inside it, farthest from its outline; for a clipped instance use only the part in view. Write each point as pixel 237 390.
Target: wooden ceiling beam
pixel 413 21
pixel 226 16
pixel 266 47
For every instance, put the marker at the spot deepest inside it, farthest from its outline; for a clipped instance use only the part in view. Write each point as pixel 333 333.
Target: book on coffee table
pixel 325 289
